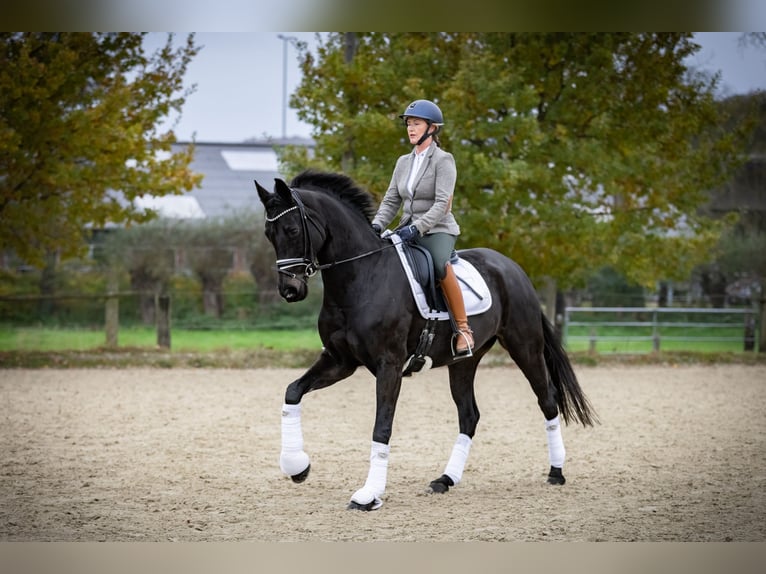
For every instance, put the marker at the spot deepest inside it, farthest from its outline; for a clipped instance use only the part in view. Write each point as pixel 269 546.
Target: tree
pixel 609 289
pixel 739 265
pixel 147 252
pixel 756 39
pixel 209 247
pixel 574 151
pixel 79 136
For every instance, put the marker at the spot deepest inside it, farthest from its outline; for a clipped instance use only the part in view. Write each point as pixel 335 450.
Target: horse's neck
pixel 348 272
pixel 346 236
pixel 340 252
pixel 349 252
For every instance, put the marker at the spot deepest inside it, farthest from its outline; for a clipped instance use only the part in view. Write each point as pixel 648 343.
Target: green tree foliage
pixel 574 151
pixel 610 289
pixel 210 250
pixel 738 255
pixel 209 247
pixel 79 116
pixel 742 255
pixel 147 252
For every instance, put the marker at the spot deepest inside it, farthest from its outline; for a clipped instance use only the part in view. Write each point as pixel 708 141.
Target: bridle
pixel 309 261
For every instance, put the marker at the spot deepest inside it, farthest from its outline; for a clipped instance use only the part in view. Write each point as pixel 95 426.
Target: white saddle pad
pixel 476 295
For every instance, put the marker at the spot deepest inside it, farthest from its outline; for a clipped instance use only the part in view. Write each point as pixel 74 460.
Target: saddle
pixel 419 269
pixel 422 267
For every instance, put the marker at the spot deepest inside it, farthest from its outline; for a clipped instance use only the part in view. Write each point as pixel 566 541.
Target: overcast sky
pixel 239 79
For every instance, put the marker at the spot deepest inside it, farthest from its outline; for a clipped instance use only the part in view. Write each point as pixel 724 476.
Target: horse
pixel 321 223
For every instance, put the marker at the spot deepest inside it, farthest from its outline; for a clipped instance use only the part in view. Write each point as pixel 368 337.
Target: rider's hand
pixel 376 228
pixel 408 233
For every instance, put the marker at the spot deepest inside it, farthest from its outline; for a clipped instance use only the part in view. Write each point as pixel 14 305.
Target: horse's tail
pixel 570 398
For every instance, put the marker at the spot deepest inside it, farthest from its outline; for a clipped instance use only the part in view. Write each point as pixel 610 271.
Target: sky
pixel 239 81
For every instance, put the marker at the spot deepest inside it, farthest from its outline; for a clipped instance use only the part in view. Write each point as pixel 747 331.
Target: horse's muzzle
pixel 293 290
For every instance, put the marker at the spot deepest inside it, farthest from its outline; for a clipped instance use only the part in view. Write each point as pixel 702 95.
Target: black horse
pixel 321 223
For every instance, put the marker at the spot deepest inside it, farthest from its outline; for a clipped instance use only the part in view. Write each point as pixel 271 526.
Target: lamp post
pixel 285 40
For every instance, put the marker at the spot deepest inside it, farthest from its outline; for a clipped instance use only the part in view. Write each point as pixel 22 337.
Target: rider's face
pixel 416 127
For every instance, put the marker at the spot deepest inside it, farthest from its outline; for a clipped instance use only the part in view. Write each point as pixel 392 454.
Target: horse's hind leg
pixel 531 361
pixel 461 379
pixel 293 460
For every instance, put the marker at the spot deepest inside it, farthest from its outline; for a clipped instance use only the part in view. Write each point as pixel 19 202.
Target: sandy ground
pixel 192 455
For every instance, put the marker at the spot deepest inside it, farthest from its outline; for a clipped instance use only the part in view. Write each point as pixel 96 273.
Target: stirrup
pixel 461 354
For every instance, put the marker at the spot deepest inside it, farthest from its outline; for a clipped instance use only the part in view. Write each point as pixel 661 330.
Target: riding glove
pixel 408 233
pixel 376 228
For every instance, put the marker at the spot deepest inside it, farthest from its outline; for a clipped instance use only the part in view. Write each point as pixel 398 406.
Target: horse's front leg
pixel 388 383
pixel 293 460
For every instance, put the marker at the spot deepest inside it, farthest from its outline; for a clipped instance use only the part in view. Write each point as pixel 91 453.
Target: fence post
pixel 762 335
pixel 163 321
pixel 655 333
pixel 112 309
pixel 749 336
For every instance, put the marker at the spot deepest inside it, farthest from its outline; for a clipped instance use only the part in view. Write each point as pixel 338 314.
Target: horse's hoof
pixel 555 476
pixel 374 505
pixel 301 476
pixel 440 485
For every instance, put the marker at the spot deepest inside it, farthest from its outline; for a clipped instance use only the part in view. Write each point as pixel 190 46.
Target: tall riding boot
pixel 454 296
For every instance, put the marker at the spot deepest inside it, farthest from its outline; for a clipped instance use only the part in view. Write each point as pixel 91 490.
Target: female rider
pixel 423 183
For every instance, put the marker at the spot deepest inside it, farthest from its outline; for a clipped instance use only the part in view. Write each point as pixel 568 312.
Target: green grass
pixel 630 346
pixel 206 341
pixel 82 348
pixel 611 339
pixel 54 339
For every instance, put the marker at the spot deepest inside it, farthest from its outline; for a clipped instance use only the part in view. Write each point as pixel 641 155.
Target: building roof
pixel 172 206
pixel 228 171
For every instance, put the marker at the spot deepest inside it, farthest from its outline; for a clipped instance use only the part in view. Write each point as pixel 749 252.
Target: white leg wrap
pixel 556 451
pixel 375 485
pixel 292 459
pixel 456 462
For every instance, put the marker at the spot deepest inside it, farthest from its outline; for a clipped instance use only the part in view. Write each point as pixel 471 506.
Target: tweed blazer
pixel 429 207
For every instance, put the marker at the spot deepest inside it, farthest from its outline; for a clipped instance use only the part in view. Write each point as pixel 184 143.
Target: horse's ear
pixel 283 190
pixel 263 193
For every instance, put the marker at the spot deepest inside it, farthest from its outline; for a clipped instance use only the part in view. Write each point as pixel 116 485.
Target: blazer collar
pixel 429 150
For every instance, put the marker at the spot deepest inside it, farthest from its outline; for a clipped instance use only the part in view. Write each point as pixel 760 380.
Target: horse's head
pixel 300 233
pixel 287 231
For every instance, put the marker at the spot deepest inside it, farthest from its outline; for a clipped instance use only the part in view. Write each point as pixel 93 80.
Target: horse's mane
pixel 338 185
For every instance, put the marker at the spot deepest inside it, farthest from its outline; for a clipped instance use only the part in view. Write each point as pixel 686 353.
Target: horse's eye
pixel 292 232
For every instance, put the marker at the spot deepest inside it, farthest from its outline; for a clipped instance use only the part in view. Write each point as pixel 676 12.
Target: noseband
pixel 309 261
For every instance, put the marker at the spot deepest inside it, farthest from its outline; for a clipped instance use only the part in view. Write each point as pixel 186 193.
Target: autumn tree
pixel 574 151
pixel 80 137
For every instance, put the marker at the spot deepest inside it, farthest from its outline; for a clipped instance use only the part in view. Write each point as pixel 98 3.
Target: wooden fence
pixel 652 329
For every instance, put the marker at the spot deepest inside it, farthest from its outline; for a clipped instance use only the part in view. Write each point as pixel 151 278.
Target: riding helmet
pixel 424 109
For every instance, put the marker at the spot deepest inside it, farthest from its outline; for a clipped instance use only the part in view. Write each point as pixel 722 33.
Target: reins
pixel 360 256
pixel 309 260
